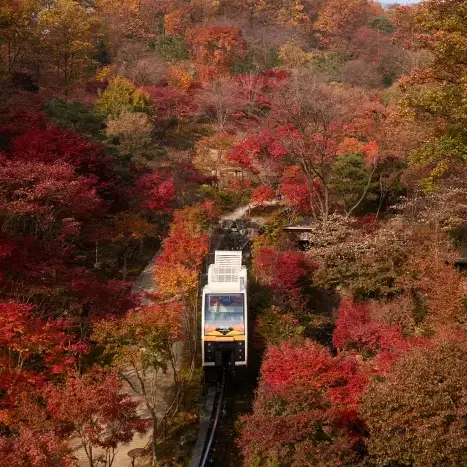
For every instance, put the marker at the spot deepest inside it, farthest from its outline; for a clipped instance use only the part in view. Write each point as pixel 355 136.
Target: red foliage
pixel 170 103
pixel 355 329
pixel 155 191
pixel 306 407
pixel 262 194
pixel 54 144
pixel 286 272
pixel 295 189
pixel 261 149
pixel 367 222
pixel 19 122
pixel 46 192
pixel 94 408
pixel 99 298
pixel 286 366
pixel 34 447
pixel 31 350
pixel 184 249
pixel 32 440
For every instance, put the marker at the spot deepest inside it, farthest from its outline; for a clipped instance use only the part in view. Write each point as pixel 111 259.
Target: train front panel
pixel 224 328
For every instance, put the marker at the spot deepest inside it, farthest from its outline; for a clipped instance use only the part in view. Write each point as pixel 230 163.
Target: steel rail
pixel 215 423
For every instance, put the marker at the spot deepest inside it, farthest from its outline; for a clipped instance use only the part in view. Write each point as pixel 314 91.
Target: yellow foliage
pixel 293 56
pixel 104 73
pixel 66 32
pixel 210 152
pixel 179 77
pixel 122 95
pixel 133 130
pixel 293 14
pixel 175 279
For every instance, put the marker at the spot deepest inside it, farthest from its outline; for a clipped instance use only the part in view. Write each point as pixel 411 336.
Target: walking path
pixel 163 391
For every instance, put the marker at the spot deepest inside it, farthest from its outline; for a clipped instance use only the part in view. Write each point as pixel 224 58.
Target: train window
pixel 224 313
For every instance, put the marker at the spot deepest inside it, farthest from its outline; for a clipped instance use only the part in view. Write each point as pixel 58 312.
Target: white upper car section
pixel 227 273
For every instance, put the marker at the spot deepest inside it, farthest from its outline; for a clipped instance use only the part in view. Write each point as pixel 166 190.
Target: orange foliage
pixel 184 250
pixel 354 146
pixel 337 18
pixel 177 22
pixel 178 77
pixel 213 49
pixel 350 146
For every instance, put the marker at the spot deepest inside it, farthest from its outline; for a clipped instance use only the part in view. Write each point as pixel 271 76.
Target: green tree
pixel 74 115
pixel 350 180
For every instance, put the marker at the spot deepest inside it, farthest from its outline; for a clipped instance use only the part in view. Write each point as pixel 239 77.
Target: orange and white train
pixel 225 312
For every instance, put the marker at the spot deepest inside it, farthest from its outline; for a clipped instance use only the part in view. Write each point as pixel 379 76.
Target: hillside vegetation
pixel 127 127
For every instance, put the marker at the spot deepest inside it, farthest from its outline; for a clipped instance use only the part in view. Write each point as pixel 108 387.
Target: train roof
pixel 227 274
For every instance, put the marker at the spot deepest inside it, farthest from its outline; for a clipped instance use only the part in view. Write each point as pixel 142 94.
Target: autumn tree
pixel 94 409
pixel 171 106
pixel 210 155
pixel 305 412
pixel 177 22
pixel 318 113
pixel 213 49
pixel 338 20
pixel 178 267
pixel 293 56
pixel 33 351
pixel 18 30
pixel 29 436
pixel 131 133
pixel 357 329
pixel 29 189
pixel 365 261
pixel 220 99
pixel 66 34
pixel 122 95
pixel 262 194
pixel 418 409
pixel 180 77
pixel 440 306
pixel 152 194
pixel 141 348
pixel 435 93
pixel 287 273
pixel 310 120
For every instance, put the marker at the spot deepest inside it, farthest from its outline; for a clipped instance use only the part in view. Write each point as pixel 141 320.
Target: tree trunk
pixel 154 436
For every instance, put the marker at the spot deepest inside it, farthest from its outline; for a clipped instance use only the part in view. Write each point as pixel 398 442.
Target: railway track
pixel 205 443
pixel 235 236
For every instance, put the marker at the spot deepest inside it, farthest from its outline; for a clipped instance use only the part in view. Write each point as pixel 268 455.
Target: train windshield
pixel 224 314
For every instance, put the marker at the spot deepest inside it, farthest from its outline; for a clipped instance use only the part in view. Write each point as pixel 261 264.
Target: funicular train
pixel 224 312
